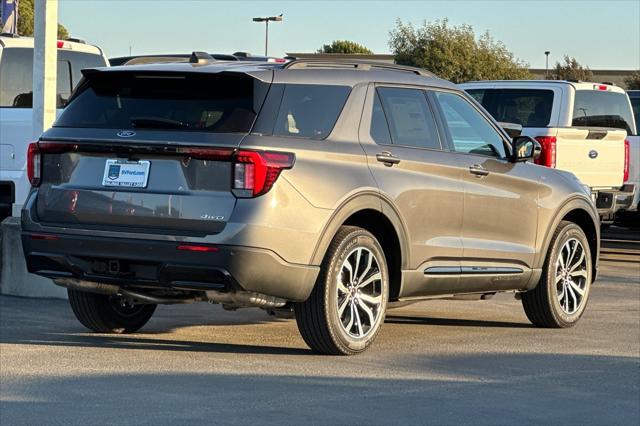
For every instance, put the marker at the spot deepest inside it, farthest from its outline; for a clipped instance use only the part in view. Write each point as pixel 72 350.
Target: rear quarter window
pixel 309 111
pixel 599 108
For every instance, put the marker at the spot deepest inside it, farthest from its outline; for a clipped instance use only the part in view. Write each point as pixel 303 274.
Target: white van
pixel 16 115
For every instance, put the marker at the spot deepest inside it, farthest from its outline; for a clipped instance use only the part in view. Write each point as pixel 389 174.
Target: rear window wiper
pixel 158 123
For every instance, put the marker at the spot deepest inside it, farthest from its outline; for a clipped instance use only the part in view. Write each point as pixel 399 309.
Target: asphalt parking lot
pixel 438 362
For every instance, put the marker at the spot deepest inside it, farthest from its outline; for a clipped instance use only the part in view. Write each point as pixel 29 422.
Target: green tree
pixel 344 46
pixel 454 52
pixel 25 20
pixel 571 69
pixel 633 81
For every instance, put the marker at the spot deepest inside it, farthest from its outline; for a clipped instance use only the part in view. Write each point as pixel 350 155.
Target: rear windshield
pixel 595 108
pixel 16 75
pixel 527 107
pixel 220 103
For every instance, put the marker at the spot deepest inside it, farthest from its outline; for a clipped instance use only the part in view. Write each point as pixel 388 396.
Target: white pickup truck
pixel 16 114
pixel 584 128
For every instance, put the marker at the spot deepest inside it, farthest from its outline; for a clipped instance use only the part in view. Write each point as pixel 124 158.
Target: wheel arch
pixel 378 216
pixel 580 212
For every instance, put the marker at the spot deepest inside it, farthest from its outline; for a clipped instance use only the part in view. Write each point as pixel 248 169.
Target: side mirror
pixel 525 148
pixel 513 129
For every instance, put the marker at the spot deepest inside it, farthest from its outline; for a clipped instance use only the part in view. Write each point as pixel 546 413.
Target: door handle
pixel 478 170
pixel 387 158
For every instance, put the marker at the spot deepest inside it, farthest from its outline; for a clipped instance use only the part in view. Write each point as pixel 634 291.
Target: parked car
pixel 164 58
pixel 16 117
pixel 584 128
pixel 631 215
pixel 322 189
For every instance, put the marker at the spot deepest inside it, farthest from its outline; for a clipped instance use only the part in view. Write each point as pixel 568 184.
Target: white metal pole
pixel 45 59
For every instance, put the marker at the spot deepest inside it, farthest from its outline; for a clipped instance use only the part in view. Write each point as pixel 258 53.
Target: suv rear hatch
pixel 146 151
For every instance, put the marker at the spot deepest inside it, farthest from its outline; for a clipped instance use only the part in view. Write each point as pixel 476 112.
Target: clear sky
pixel 600 34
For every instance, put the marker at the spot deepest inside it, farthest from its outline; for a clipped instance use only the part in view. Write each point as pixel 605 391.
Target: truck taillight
pixel 626 161
pixel 548 154
pixel 34 164
pixel 255 172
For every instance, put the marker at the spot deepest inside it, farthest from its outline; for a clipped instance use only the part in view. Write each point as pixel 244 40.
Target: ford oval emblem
pixel 593 154
pixel 126 133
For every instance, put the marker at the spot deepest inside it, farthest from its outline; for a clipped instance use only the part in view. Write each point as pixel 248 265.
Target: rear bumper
pixel 608 202
pixel 159 264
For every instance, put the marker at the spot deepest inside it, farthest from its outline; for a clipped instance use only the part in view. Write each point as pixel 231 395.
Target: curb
pixel 15 280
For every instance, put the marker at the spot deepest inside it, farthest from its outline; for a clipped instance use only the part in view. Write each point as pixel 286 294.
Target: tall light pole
pixel 266 20
pixel 546 68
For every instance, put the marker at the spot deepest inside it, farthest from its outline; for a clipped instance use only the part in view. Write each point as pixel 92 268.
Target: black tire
pixel 104 314
pixel 542 305
pixel 318 318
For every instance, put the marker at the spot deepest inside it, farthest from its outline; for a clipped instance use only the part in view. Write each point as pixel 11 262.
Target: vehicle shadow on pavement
pixel 474 389
pixel 452 322
pixel 141 342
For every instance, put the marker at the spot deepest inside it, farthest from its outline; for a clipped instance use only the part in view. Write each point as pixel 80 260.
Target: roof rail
pixel 357 64
pixel 75 40
pixel 11 35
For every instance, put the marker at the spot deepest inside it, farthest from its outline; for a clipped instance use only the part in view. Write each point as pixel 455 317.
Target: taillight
pixel 34 157
pixel 255 172
pixel 213 154
pixel 548 155
pixel 626 161
pixel 34 164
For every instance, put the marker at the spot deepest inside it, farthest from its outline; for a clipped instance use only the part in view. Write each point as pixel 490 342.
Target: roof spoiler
pixel 201 58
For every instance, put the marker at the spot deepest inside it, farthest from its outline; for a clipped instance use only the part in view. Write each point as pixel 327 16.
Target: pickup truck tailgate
pixel 595 156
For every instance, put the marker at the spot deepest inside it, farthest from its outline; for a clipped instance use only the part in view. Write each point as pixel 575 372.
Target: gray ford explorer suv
pixel 321 189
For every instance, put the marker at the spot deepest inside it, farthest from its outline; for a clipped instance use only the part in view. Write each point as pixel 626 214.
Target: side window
pixel 16 89
pixel 80 61
pixel 478 95
pixel 379 129
pixel 16 84
pixel 594 108
pixel 470 131
pixel 63 83
pixel 409 117
pixel 310 111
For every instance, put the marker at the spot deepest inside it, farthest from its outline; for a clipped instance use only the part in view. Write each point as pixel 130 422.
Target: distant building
pixel 600 76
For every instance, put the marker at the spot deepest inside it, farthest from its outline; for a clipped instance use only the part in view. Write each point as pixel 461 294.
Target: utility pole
pixel 266 20
pixel 45 69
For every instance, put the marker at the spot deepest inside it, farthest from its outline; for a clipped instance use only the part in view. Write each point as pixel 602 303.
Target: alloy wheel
pixel 571 276
pixel 359 293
